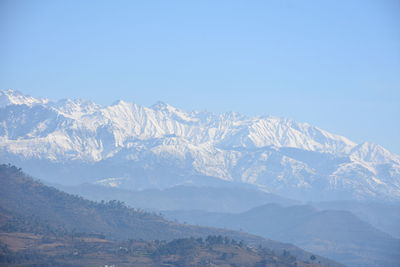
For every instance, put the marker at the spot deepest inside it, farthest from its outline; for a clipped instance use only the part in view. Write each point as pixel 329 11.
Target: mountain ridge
pixel 152 140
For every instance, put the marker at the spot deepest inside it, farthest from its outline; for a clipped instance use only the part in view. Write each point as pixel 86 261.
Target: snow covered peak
pixel 75 108
pixel 14 97
pixel 283 132
pixel 231 129
pixel 160 105
pixel 120 102
pixel 271 152
pixel 233 116
pixel 173 112
pixel 166 108
pixel 370 152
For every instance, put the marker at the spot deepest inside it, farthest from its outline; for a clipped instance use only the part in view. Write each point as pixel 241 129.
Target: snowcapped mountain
pixel 11 97
pixel 74 141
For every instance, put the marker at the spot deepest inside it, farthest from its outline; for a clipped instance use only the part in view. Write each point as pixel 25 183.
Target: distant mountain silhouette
pixel 223 198
pixel 332 233
pixel 382 215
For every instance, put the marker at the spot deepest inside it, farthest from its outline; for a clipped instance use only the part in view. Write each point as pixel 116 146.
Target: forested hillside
pixel 44 213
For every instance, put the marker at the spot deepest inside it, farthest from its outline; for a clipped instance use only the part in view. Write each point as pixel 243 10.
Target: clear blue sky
pixel 334 64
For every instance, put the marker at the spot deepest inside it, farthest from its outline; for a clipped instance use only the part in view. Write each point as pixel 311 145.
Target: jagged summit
pixel 14 97
pixel 371 152
pixel 160 105
pixel 168 146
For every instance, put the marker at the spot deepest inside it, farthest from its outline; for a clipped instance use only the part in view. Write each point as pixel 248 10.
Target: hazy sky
pixel 334 64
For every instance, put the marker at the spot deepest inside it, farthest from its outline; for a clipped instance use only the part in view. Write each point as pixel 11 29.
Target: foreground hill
pixel 22 249
pixel 29 206
pixel 337 234
pixel 130 146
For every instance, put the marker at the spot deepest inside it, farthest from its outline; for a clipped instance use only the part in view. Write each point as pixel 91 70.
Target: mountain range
pixel 129 146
